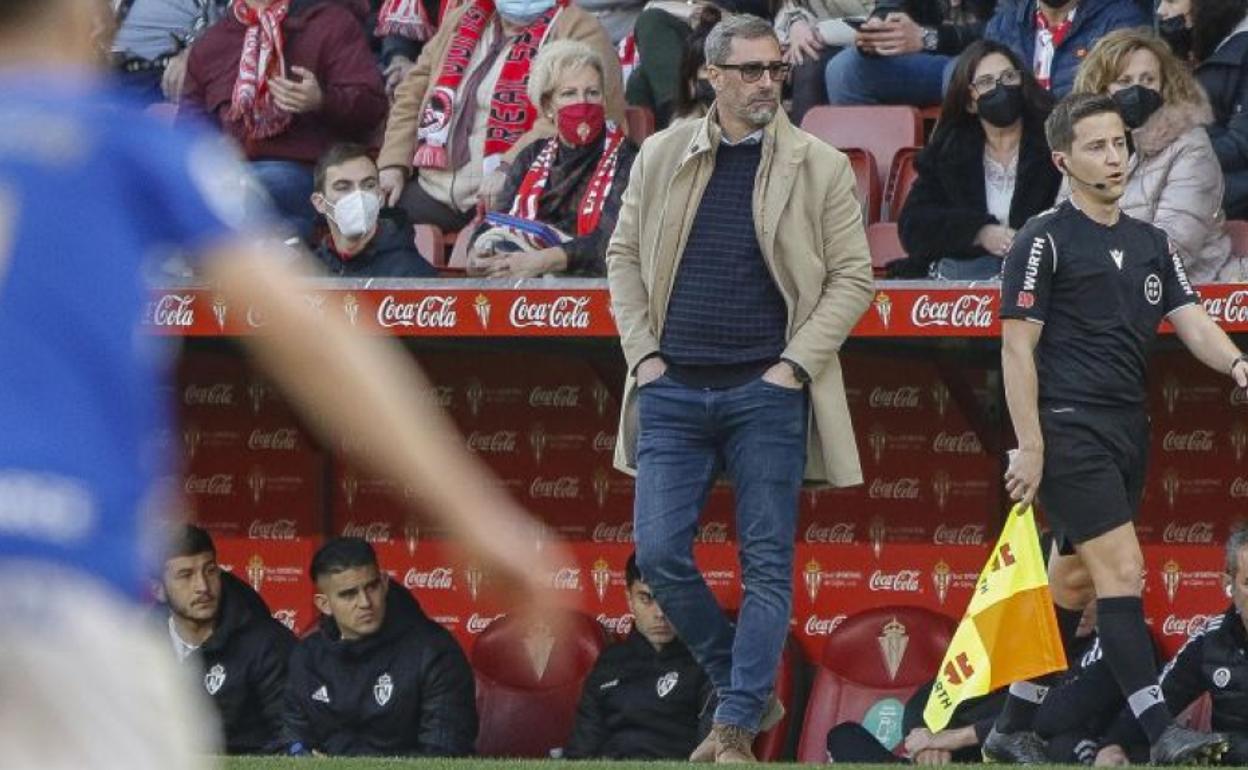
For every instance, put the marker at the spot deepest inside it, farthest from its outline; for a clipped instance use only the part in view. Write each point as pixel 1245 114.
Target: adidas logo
pixel 322 695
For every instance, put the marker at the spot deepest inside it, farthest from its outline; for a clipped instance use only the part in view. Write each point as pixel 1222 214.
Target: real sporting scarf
pixel 589 211
pixel 511 114
pixel 262 58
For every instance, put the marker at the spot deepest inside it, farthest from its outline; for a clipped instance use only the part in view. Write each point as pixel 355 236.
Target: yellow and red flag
pixel 1009 631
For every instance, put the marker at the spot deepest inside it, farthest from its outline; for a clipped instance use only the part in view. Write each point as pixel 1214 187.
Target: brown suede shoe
pixel 707 749
pixel 733 745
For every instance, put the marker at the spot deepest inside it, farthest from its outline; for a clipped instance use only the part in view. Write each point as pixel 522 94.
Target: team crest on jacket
pixel 214 679
pixel 667 683
pixel 383 689
pixel 322 694
pixel 1222 677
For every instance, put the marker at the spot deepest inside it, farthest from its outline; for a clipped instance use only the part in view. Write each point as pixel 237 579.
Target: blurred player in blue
pixel 90 191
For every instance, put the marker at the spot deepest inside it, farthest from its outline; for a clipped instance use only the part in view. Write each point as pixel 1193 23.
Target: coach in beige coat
pixel 737 269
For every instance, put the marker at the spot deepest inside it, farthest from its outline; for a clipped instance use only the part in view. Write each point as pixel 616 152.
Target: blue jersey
pixel 91 191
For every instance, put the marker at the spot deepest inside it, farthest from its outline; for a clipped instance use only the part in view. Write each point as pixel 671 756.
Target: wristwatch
pixel 799 373
pixel 931 38
pixel 1236 361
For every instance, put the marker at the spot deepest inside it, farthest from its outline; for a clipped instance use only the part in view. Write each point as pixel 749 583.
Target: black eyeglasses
pixel 985 83
pixel 753 70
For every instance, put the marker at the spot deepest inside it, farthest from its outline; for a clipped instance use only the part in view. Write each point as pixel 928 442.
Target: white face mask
pixel 522 12
pixel 355 213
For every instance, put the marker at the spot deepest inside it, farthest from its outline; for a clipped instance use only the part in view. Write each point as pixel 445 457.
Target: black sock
pixel 1124 638
pixel 1025 697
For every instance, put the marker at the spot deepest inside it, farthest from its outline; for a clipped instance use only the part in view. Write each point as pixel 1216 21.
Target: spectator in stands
pixel 617 17
pixel 462 113
pixel 400 30
pixel 810 36
pixel 738 266
pixel 646 696
pixel 571 182
pixel 378 677
pixel 1212 662
pixel 695 95
pixel 361 240
pixel 220 626
pixel 1214 35
pixel 984 173
pixel 901 53
pixel 1054 39
pixel 287 79
pixel 153 42
pixel 1173 178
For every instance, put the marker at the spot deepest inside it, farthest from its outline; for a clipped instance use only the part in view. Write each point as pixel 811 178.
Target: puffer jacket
pixel 1174 182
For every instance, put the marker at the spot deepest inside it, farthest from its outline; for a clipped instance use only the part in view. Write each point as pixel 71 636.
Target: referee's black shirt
pixel 1101 293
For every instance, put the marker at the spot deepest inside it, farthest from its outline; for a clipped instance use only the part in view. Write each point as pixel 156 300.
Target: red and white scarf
pixel 1048 39
pixel 262 59
pixel 406 18
pixel 596 192
pixel 511 114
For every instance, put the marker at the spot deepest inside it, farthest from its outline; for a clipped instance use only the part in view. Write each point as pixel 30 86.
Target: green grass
pixel 266 763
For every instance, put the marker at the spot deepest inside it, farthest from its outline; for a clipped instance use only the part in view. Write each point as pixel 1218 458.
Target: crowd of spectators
pixel 506 118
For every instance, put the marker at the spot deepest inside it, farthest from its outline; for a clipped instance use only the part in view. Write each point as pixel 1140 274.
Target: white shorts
pixel 87 681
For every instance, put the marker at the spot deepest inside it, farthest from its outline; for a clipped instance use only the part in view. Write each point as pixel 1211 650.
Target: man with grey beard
pixel 737 269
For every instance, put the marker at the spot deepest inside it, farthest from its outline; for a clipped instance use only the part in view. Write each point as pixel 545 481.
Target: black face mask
pixel 1002 106
pixel 703 93
pixel 1177 35
pixel 1137 104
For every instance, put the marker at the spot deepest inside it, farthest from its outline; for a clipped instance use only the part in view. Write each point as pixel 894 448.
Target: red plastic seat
pixel 638 123
pixel 900 180
pixel 880 130
pixel 885 244
pixel 529 682
pixel 871 665
pixel 870 193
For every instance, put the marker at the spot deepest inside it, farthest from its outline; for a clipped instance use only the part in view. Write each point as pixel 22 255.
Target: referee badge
pixel 1152 289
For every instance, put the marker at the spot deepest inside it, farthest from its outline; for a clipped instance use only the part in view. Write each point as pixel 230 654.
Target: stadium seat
pixel 529 682
pixel 880 130
pixel 870 193
pixel 638 123
pixel 871 664
pixel 1238 230
pixel 900 179
pixel 769 746
pixel 885 245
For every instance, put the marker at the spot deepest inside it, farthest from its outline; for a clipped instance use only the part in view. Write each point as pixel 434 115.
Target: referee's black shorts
pixel 1095 459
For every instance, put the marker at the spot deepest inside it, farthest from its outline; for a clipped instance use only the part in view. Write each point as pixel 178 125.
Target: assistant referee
pixel 1084 289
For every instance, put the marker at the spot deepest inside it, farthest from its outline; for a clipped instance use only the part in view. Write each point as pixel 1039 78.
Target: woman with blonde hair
pixel 1173 179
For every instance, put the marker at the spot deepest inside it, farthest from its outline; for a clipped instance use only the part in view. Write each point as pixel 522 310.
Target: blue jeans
pixel 289 185
pixel 757 433
pixel 914 78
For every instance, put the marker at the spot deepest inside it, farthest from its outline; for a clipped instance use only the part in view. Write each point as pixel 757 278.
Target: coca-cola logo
pixel 566 579
pixel 967 311
pixel 1192 441
pixel 904 397
pixel 1239 488
pixel 712 532
pixel 478 623
pixel 612 533
pixel 1178 626
pixel 619 625
pixel 604 442
pixel 964 443
pixel 438 578
pixel 216 485
pixel 1231 309
pixel 841 532
pixel 896 489
pixel 817 626
pixel 559 313
pixel 562 397
pixel 562 488
pixel 278 529
pixel 498 442
pixel 1199 532
pixel 217 394
pixel 279 440
pixel 967 534
pixel 906 580
pixel 372 531
pixel 173 310
pixel 431 312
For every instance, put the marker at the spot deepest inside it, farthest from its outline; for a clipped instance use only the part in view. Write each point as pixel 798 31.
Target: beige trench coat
pixel 809 226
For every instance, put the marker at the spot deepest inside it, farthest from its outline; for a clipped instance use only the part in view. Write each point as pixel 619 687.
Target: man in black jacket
pixel 646 697
pixel 219 624
pixel 361 243
pixel 379 677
